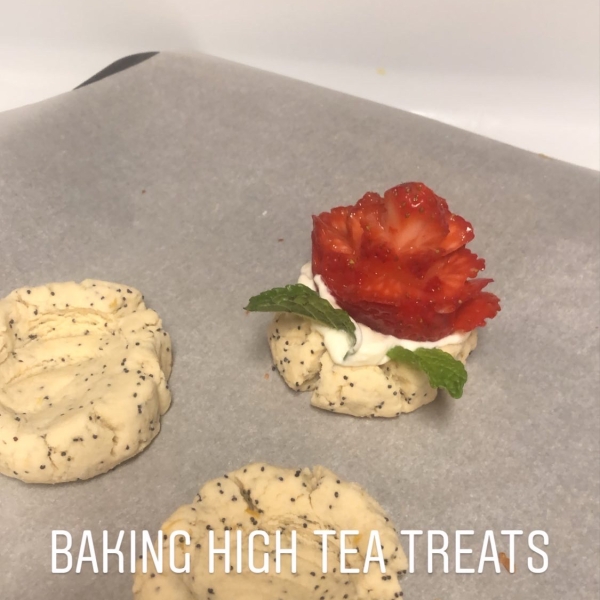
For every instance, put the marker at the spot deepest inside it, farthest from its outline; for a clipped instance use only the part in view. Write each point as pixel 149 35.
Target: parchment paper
pixel 180 176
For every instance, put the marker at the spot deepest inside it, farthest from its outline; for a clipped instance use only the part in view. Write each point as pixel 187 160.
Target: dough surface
pixel 267 498
pixel 83 379
pixel 379 391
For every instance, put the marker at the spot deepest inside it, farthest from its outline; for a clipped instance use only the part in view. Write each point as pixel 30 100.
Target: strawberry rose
pixel 399 264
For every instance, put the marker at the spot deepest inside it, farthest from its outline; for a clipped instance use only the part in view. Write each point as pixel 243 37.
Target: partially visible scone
pixel 83 379
pixel 367 391
pixel 268 499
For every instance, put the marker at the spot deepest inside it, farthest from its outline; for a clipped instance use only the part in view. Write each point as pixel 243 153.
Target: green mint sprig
pixel 442 369
pixel 301 300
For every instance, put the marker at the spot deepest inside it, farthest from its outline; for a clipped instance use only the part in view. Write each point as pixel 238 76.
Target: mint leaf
pixel 442 369
pixel 301 300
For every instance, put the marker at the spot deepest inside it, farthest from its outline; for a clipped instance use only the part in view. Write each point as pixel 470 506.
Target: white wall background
pixel 526 72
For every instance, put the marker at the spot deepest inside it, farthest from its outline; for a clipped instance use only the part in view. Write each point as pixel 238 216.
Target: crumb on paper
pixel 380 71
pixel 267 376
pixel 505 561
pixel 280 239
pixel 264 213
pixel 143 191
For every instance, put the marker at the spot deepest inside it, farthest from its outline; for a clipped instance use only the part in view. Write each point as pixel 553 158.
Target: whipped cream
pixel 371 347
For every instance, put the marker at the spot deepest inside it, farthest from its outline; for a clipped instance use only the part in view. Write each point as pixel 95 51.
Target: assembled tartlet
pixel 387 311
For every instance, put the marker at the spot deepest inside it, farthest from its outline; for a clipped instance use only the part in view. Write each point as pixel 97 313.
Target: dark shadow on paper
pixel 119 65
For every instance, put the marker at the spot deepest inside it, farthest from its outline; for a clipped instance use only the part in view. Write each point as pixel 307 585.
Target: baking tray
pixel 194 179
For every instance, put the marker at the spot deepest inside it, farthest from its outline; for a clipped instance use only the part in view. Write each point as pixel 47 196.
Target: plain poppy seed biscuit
pixel 84 371
pixel 366 391
pixel 267 498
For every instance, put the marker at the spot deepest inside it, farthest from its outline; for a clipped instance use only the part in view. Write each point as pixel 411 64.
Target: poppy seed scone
pixel 387 390
pixel 266 498
pixel 83 379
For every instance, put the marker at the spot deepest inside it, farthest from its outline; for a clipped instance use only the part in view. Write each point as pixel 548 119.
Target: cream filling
pixel 371 347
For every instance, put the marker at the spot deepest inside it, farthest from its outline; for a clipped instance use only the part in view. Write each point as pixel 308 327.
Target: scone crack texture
pixel 300 356
pixel 84 370
pixel 261 497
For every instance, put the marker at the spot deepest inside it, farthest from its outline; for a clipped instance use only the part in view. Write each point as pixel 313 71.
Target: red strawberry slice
pixel 398 264
pixel 415 219
pixel 474 313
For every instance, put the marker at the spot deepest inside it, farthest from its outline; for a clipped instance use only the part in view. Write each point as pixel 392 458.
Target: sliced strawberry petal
pixel 399 264
pixel 474 313
pixel 460 233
